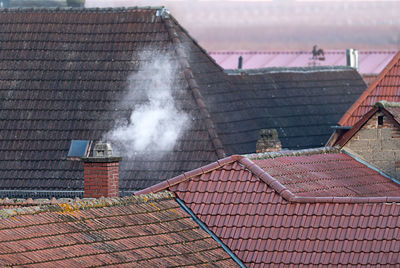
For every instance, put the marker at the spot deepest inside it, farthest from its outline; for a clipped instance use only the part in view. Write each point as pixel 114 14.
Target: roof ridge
pixel 310 69
pixel 327 51
pixel 282 190
pixel 70 205
pixel 197 43
pixel 387 104
pixel 77 9
pixel 371 87
pixel 312 151
pixel 288 195
pixel 179 50
pixel 190 174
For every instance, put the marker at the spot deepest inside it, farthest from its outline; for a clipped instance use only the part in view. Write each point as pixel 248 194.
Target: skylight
pixel 78 148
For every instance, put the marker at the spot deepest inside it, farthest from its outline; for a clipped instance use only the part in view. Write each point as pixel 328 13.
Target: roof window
pixel 79 148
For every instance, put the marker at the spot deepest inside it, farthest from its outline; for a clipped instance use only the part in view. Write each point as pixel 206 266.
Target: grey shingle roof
pixel 301 103
pixel 63 75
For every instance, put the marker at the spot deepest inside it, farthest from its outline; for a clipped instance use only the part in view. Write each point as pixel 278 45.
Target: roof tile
pixel 323 225
pixel 137 230
pixel 386 87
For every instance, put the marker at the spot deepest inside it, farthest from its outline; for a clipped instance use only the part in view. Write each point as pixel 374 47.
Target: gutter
pixel 371 167
pixel 205 228
pixel 40 193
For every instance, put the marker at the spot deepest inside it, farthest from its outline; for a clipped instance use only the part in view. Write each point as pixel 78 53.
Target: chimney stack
pixel 101 172
pixel 352 58
pixel 240 62
pixel 268 141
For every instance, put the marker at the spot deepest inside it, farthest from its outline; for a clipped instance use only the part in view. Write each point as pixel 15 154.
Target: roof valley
pixel 189 76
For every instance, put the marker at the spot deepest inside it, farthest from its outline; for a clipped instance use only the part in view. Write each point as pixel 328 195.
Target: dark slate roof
pixel 63 74
pixel 311 208
pixel 145 231
pixel 301 103
pixel 386 87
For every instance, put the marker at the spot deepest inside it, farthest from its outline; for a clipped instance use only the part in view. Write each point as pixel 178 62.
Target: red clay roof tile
pixel 330 225
pixel 386 87
pixel 147 231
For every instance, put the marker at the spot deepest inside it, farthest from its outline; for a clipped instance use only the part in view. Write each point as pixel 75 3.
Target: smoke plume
pixel 157 123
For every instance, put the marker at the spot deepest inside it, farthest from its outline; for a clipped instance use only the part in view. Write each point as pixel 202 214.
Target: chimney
pixel 352 58
pixel 268 141
pixel 240 62
pixel 101 172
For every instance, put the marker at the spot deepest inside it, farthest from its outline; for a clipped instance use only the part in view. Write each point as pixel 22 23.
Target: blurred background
pixel 273 25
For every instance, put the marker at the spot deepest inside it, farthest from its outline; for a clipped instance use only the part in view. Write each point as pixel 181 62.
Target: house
pixel 371 62
pixel 75 74
pixel 146 231
pixel 375 138
pixel 313 208
pixel 74 77
pixel 386 87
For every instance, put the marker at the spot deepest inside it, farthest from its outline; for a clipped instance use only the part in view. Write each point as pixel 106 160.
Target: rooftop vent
pixel 240 63
pixel 163 12
pixel 352 58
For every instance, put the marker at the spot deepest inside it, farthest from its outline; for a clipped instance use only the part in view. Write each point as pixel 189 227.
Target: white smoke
pixel 157 123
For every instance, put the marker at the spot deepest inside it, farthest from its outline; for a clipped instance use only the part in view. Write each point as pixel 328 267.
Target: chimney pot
pixel 240 62
pixel 102 150
pixel 352 58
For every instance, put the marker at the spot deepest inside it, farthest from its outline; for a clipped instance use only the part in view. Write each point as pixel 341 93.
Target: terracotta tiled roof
pixel 266 213
pixel 145 231
pixel 386 87
pixel 334 174
pixel 370 61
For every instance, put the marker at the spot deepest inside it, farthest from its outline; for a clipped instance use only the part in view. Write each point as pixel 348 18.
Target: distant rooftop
pixel 370 61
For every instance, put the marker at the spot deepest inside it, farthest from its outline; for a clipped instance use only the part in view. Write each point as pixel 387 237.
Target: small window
pixel 380 120
pixel 78 148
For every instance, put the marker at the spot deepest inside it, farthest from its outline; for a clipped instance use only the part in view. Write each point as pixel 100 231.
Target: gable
pixel 377 142
pixel 64 75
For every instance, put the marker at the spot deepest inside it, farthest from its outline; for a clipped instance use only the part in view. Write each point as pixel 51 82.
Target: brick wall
pixel 268 141
pixel 101 179
pixel 378 145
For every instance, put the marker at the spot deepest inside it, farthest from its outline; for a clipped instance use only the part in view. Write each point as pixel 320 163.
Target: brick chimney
pixel 268 141
pixel 101 172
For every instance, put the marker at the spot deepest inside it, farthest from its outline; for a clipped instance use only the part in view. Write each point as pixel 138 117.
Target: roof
pixel 148 231
pixel 370 61
pixel 316 207
pixel 64 76
pixel 390 109
pixel 386 87
pixel 81 73
pixel 301 103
